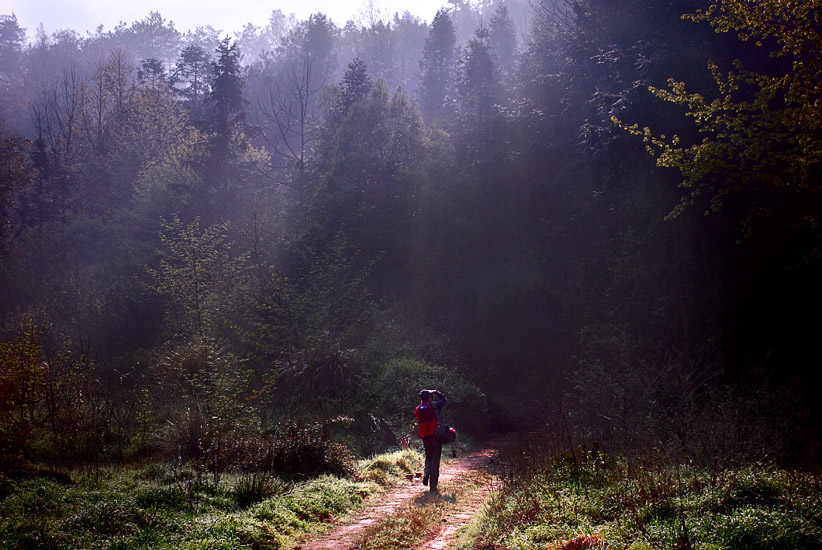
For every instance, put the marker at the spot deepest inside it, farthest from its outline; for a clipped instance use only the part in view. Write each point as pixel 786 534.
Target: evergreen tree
pixel 229 108
pixel 12 40
pixel 356 85
pixel 477 84
pixel 191 78
pixel 152 76
pixel 228 116
pixel 437 67
pixel 503 39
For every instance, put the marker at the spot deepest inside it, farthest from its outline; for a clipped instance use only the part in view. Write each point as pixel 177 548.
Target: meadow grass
pixel 156 506
pixel 594 501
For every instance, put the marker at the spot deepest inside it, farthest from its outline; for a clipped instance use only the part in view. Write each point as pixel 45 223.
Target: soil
pixel 347 536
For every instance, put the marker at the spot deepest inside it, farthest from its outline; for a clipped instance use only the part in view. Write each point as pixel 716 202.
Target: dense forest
pixel 596 216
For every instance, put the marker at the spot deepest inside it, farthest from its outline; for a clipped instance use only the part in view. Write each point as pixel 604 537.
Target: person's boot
pixel 425 480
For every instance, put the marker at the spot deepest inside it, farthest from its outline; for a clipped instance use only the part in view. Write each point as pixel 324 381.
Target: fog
pixel 87 15
pixel 574 217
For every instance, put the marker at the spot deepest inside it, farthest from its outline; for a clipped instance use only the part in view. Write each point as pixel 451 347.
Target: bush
pixel 255 487
pixel 393 393
pixel 307 450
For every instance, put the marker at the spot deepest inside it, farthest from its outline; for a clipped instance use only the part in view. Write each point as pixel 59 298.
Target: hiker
pixel 427 414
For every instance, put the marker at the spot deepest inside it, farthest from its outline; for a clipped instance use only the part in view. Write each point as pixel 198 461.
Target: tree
pixel 477 84
pixel 355 86
pixel 503 39
pixel 12 40
pixel 373 163
pixel 191 79
pixel 57 117
pixel 153 37
pixel 195 273
pixel 287 120
pixel 229 110
pixel 21 385
pixel 152 76
pixel 437 67
pixel 761 147
pixel 16 177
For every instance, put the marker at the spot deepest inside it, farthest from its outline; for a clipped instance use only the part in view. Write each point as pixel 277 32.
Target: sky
pixel 230 16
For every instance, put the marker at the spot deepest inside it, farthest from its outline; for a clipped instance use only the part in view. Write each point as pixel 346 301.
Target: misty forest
pixel 231 259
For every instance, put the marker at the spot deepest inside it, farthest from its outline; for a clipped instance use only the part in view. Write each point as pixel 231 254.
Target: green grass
pixel 636 508
pixel 154 507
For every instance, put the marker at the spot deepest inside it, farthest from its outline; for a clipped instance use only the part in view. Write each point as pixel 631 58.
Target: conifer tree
pixel 503 39
pixel 437 67
pixel 190 79
pixel 228 115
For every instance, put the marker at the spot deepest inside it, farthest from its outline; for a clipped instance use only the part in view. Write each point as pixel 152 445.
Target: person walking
pixel 427 413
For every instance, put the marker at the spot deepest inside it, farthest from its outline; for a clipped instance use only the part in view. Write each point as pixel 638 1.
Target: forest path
pixel 350 535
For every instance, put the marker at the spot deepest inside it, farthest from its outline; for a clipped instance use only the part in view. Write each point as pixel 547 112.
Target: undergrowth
pixel 588 500
pixel 158 507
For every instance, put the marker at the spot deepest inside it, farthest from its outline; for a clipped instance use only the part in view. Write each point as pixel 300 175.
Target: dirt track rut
pixel 349 535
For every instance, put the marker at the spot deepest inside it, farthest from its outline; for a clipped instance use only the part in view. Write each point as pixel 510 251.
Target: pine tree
pixel 477 84
pixel 356 85
pixel 503 39
pixel 228 115
pixel 437 67
pixel 228 105
pixel 190 79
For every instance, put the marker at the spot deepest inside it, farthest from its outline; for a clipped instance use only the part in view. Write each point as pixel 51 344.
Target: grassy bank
pixel 591 501
pixel 158 506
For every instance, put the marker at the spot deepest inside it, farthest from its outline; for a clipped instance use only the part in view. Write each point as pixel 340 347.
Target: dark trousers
pixel 433 452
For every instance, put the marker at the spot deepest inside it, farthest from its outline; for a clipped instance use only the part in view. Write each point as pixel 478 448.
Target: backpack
pixel 445 434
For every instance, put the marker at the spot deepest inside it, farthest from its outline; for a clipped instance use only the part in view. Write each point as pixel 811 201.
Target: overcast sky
pixel 228 16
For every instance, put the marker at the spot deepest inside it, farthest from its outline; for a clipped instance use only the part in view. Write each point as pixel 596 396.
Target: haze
pixel 86 15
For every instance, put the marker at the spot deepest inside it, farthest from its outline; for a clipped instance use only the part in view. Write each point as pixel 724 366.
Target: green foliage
pixel 300 450
pixel 394 390
pixel 761 133
pixel 437 66
pixel 16 175
pixel 510 240
pixel 200 394
pixel 195 273
pixel 325 369
pixel 22 380
pixel 625 506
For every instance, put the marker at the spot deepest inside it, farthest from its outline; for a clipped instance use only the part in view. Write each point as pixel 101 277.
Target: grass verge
pixel 158 507
pixel 591 501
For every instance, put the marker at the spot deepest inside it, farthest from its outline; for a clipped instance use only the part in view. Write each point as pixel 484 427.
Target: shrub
pixel 306 449
pixel 255 487
pixel 393 392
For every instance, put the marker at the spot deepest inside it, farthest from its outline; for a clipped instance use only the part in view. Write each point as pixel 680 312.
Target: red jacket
pixel 427 418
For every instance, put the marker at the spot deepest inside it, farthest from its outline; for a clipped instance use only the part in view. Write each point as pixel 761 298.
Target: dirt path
pixel 346 537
